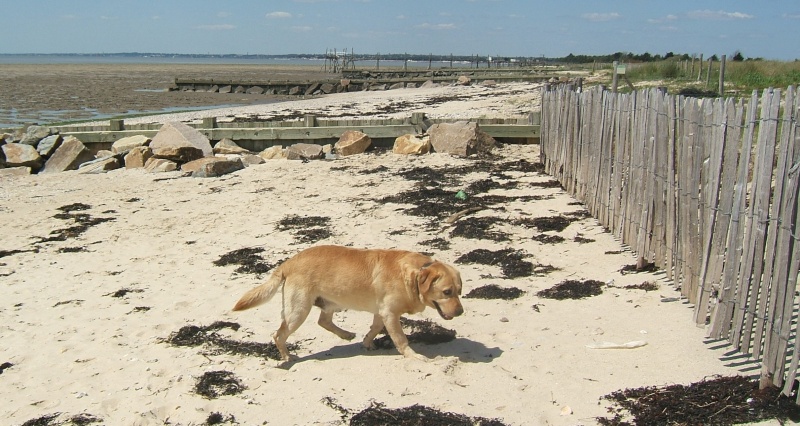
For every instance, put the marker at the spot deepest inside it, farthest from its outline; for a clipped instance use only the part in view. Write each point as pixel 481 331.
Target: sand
pixel 76 349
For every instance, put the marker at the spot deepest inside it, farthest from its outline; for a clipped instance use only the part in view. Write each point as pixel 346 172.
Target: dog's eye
pixel 448 292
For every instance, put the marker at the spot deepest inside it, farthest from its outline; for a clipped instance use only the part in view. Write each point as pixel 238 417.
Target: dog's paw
pixel 348 336
pixel 368 345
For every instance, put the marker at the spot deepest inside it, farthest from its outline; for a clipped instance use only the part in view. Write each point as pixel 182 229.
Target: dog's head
pixel 439 287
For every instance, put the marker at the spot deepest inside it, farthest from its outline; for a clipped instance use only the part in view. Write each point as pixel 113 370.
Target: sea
pixel 11 118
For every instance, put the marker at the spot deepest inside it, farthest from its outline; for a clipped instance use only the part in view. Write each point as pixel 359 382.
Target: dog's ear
pixel 425 278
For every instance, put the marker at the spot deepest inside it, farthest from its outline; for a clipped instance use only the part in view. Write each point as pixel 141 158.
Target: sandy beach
pixel 102 276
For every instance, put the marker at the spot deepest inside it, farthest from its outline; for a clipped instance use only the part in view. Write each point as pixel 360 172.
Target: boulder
pixel 33 134
pixel 251 160
pixel 273 152
pixel 428 83
pixel 376 87
pixel 71 154
pixel 327 88
pixel 225 89
pixel 489 83
pixel 255 90
pixel 227 146
pixel 304 151
pixel 126 144
pixel 15 171
pixel 21 155
pixel 137 157
pixel 49 145
pixel 464 80
pixel 295 90
pixel 159 165
pixel 412 145
pixel 101 165
pixel 400 85
pixel 460 138
pixel 313 87
pixel 180 143
pixel 212 166
pixel 352 142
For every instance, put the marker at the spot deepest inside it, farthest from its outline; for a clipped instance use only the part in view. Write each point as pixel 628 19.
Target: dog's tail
pixel 262 293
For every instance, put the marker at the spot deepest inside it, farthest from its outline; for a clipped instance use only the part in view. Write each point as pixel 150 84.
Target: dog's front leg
pixel 399 338
pixel 377 327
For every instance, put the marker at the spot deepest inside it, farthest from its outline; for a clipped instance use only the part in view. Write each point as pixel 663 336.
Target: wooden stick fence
pixel 708 190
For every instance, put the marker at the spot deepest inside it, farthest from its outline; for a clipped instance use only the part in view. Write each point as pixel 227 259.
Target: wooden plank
pixel 741 216
pixel 779 240
pixel 671 192
pixel 758 215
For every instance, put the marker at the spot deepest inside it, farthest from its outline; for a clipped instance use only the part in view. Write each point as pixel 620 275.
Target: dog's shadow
pixel 465 350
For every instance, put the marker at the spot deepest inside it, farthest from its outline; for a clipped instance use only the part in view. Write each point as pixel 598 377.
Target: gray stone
pixel 180 143
pixel 460 138
pixel 313 87
pixel 225 89
pixel 251 160
pixel 295 90
pixel 327 88
pixel 71 154
pixel 33 134
pixel 255 90
pixel 304 151
pixel 428 83
pixel 352 142
pixel 397 86
pixel 126 144
pixel 49 145
pixel 21 155
pixel 464 80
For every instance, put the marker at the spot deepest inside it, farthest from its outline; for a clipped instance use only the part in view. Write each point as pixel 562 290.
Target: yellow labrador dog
pixel 387 283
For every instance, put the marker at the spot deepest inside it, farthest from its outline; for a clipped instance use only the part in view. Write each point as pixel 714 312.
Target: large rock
pixel 412 145
pixel 227 146
pixel 180 143
pixel 101 165
pixel 137 157
pixel 124 145
pixel 71 154
pixel 15 171
pixel 33 134
pixel 427 84
pixel 460 138
pixel 21 155
pixel 49 145
pixel 399 85
pixel 352 142
pixel 272 153
pixel 251 159
pixel 464 80
pixel 160 165
pixel 212 166
pixel 304 151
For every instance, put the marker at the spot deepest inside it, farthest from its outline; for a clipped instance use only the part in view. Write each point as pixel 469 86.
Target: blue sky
pixel 758 28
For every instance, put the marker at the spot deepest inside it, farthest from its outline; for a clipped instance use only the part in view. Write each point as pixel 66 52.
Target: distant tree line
pixel 643 57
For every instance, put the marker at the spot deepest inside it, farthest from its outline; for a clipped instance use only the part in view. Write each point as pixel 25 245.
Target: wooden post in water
pixel 405 63
pixel 721 90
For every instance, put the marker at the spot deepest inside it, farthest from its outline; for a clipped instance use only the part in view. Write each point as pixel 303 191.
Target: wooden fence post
pixel 708 74
pixel 615 78
pixel 700 67
pixel 721 90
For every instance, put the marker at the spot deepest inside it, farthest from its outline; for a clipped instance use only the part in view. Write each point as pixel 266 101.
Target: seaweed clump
pixel 207 336
pixel 720 401
pixel 416 415
pixel 510 261
pixel 248 259
pixel 427 332
pixel 494 291
pixel 573 289
pixel 213 384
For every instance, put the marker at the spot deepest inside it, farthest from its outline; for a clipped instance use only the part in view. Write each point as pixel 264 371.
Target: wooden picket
pixel 708 190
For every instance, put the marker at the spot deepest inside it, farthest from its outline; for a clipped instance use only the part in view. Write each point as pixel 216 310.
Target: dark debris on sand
pixel 307 229
pixel 544 224
pixel 573 289
pixel 83 221
pixel 213 384
pixel 479 228
pixel 720 401
pixel 510 261
pixel 4 366
pixel 54 419
pixel 217 418
pixel 416 415
pixel 494 291
pixel 207 337
pixel 437 243
pixel 548 239
pixel 248 259
pixel 425 331
pixel 638 268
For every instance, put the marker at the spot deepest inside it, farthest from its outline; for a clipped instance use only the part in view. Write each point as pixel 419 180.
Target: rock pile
pixel 178 146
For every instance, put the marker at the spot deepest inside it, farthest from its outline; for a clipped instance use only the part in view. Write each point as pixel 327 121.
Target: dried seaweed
pixel 494 291
pixel 213 384
pixel 573 289
pixel 248 259
pixel 195 336
pixel 426 331
pixel 416 415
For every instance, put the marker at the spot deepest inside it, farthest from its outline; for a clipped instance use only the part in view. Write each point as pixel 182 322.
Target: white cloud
pixel 279 15
pixel 302 29
pixel 668 18
pixel 601 17
pixel 429 26
pixel 791 15
pixel 717 15
pixel 223 14
pixel 216 27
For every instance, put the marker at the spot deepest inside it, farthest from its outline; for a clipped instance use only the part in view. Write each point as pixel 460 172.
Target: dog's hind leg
pixel 377 327
pixel 295 310
pixel 326 321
